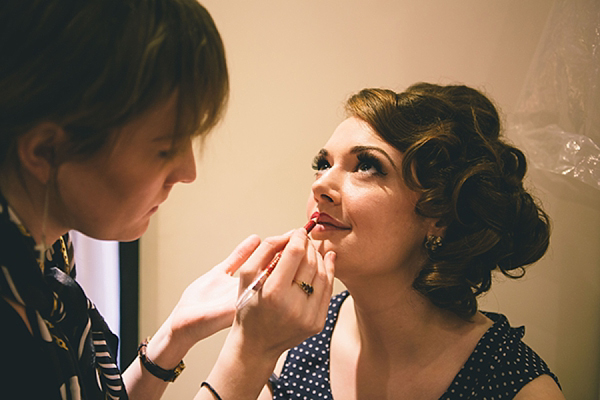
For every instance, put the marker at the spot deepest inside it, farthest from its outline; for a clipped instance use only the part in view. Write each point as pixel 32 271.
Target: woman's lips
pixel 326 222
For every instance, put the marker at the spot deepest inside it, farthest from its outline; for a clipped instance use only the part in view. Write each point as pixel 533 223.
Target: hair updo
pixel 469 179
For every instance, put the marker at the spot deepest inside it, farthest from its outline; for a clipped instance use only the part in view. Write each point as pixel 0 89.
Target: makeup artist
pixel 421 198
pixel 100 101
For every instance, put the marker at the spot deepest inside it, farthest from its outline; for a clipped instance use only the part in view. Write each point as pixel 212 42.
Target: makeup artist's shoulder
pixel 542 388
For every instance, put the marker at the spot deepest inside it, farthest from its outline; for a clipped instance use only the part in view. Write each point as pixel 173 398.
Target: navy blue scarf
pixel 74 335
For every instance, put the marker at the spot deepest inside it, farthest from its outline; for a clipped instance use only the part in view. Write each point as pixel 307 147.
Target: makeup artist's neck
pixel 27 201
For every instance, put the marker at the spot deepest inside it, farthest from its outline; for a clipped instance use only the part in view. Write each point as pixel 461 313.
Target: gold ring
pixel 306 287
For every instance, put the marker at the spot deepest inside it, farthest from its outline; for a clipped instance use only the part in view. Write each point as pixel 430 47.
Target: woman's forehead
pixel 354 131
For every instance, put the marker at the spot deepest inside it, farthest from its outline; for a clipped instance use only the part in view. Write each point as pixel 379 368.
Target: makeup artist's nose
pixel 185 166
pixel 327 188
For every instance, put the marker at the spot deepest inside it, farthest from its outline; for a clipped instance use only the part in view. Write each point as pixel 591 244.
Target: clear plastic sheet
pixel 557 119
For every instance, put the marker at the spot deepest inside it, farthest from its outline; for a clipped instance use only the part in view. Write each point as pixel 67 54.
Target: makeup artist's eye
pixel 166 154
pixel 320 163
pixel 370 164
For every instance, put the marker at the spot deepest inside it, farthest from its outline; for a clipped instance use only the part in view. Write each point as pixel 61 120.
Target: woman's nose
pixel 326 188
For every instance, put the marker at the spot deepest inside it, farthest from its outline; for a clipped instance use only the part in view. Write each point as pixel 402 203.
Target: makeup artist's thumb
pixel 240 254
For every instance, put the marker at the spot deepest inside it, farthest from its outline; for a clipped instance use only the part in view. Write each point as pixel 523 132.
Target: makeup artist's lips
pixel 326 222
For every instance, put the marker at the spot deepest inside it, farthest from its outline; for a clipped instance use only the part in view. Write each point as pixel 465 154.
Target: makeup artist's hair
pixel 92 66
pixel 469 178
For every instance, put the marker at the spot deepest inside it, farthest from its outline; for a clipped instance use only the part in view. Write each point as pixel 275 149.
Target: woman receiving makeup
pixel 422 199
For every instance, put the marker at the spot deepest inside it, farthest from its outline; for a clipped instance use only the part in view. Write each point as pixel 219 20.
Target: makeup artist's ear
pixel 38 148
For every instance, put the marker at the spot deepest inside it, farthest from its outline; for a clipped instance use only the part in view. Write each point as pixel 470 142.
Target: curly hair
pixel 469 179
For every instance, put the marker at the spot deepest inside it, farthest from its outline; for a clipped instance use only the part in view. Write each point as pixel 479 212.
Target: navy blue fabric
pixel 498 368
pixel 70 353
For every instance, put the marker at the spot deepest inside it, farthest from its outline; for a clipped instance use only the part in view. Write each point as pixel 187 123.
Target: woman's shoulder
pixel 541 388
pixel 502 363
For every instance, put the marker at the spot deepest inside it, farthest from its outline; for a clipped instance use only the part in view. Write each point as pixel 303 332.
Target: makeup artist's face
pixel 113 194
pixel 368 214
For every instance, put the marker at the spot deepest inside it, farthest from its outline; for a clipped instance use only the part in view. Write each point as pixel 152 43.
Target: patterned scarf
pixel 75 336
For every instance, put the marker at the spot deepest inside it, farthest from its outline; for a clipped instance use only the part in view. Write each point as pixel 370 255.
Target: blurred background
pixel 292 65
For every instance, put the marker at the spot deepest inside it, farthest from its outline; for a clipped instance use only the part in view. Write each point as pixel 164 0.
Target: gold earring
pixel 432 243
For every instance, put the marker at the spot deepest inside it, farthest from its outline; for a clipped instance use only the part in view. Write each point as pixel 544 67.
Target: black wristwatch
pixel 167 375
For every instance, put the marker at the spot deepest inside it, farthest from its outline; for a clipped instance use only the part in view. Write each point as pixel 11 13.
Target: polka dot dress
pixel 498 368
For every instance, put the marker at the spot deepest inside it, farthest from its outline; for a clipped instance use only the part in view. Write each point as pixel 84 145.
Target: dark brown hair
pixel 469 178
pixel 92 66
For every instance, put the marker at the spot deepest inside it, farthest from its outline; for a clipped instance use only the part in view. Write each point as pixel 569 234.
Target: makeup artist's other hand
pixel 208 304
pixel 282 315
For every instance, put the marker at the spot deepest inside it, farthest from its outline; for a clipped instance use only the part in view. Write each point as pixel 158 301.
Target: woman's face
pixel 367 213
pixel 112 194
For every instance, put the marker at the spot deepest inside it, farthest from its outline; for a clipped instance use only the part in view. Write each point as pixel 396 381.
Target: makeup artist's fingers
pixel 323 286
pixel 240 254
pixel 261 257
pixel 313 261
pixel 293 258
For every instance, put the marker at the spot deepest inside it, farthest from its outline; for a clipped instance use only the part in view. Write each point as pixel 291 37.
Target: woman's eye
pixel 320 163
pixel 369 164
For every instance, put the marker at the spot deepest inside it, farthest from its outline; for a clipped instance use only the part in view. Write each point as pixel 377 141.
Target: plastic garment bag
pixel 557 119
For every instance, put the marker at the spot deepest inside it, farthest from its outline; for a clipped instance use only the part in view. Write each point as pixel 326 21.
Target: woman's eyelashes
pixel 370 164
pixel 320 162
pixel 364 162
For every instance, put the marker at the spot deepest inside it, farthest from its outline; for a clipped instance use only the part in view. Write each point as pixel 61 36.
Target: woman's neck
pixel 30 202
pixel 389 341
pixel 380 312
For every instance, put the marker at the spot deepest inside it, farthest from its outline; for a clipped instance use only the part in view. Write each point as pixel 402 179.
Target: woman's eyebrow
pixel 358 149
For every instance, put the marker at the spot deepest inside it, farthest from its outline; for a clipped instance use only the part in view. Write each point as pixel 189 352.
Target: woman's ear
pixel 436 228
pixel 38 149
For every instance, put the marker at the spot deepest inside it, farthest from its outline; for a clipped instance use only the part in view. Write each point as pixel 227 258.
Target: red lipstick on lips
pixel 328 222
pixel 314 220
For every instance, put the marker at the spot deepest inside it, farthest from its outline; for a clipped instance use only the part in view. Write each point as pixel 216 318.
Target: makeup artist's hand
pixel 281 315
pixel 208 304
pixel 205 307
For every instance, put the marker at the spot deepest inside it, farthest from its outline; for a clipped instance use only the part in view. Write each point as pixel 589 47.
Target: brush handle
pixel 258 283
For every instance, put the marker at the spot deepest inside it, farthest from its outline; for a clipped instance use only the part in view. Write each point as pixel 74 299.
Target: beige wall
pixel 292 64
